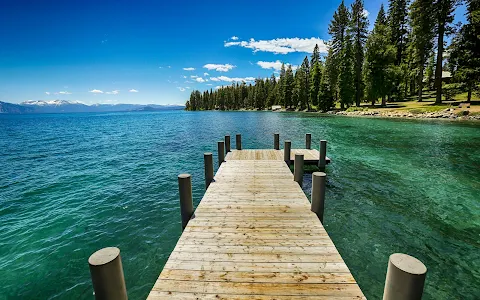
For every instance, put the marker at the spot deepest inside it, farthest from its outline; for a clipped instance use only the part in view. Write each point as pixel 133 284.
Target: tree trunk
pixel 420 82
pixel 469 95
pixel 373 101
pixel 384 101
pixel 438 69
pixel 342 105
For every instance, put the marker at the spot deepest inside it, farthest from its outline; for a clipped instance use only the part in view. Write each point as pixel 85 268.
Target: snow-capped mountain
pixel 64 106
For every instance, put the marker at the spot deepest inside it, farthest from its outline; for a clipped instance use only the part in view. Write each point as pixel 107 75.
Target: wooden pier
pixel 310 155
pixel 254 236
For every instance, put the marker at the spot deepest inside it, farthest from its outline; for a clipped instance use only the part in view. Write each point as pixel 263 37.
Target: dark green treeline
pixel 399 58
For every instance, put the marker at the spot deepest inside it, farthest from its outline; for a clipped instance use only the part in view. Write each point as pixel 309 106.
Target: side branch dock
pixel 254 236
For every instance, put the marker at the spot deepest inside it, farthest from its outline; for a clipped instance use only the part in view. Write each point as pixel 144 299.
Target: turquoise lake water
pixel 73 183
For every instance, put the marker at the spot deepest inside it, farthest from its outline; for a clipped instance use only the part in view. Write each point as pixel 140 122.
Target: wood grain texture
pixel 311 156
pixel 253 236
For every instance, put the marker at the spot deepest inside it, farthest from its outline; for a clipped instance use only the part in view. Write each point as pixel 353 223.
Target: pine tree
pixel 331 70
pixel 288 87
pixel 359 32
pixel 281 89
pixel 443 10
pixel 347 76
pixel 430 71
pixel 325 95
pixel 300 90
pixel 338 28
pixel 421 15
pixel 397 23
pixel 271 92
pixel 316 76
pixel 379 61
pixel 464 59
pixel 306 68
pixel 315 55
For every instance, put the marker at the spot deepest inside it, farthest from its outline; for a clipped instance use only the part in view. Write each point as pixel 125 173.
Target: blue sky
pixel 144 51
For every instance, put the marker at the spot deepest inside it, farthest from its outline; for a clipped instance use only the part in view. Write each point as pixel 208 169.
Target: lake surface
pixel 71 184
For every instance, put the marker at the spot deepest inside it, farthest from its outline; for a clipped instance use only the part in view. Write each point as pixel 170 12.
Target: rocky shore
pixel 448 113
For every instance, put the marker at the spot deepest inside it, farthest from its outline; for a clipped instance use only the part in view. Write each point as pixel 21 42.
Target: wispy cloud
pixel 133 91
pixel 47 93
pixel 95 91
pixel 200 79
pixel 181 89
pixel 275 65
pixel 232 79
pixel 234 38
pixel 219 67
pixel 205 74
pixel 189 69
pixel 115 92
pixel 366 13
pixel 282 45
pixel 64 93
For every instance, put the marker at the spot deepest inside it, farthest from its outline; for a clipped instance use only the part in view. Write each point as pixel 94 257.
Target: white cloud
pixel 48 93
pixel 189 69
pixel 209 84
pixel 200 79
pixel 187 87
pixel 96 91
pixel 133 91
pixel 366 13
pixel 115 92
pixel 232 79
pixel 218 87
pixel 193 76
pixel 181 89
pixel 64 93
pixel 234 38
pixel 282 45
pixel 205 74
pixel 275 65
pixel 185 77
pixel 219 67
pixel 169 67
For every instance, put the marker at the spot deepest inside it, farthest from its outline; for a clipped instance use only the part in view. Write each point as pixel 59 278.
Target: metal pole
pixel 405 278
pixel 298 169
pixel 208 162
pixel 186 199
pixel 318 194
pixel 107 274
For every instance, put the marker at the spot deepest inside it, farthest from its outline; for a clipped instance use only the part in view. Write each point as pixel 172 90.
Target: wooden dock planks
pixel 254 237
pixel 310 155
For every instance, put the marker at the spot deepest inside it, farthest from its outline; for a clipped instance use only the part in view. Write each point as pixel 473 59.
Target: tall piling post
pixel 221 152
pixel 186 199
pixel 227 144
pixel 318 194
pixel 208 162
pixel 405 278
pixel 107 274
pixel 322 160
pixel 238 141
pixel 276 141
pixel 308 141
pixel 298 169
pixel 286 151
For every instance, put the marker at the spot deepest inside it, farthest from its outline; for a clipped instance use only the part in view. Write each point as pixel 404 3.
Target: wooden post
pixel 238 141
pixel 322 162
pixel 186 199
pixel 286 151
pixel 298 169
pixel 318 194
pixel 227 144
pixel 405 278
pixel 276 141
pixel 107 274
pixel 308 141
pixel 208 162
pixel 221 152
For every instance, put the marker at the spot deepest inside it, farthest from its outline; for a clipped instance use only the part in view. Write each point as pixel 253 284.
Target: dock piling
pixel 308 141
pixel 208 162
pixel 238 141
pixel 276 141
pixel 286 151
pixel 298 169
pixel 107 274
pixel 405 278
pixel 227 144
pixel 186 199
pixel 221 152
pixel 318 194
pixel 323 154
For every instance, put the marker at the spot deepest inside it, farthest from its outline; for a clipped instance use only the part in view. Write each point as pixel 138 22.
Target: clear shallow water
pixel 71 184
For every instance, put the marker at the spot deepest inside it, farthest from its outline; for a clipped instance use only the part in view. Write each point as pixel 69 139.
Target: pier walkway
pixel 253 236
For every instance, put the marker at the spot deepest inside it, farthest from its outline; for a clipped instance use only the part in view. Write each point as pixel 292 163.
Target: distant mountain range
pixel 63 106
